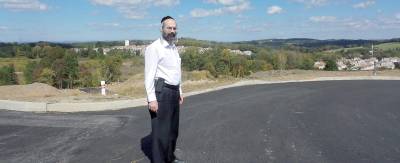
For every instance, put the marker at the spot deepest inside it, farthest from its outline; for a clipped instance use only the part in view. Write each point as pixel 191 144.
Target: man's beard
pixel 170 37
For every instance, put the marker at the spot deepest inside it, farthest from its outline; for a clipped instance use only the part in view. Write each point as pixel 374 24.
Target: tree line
pixel 65 68
pixel 68 68
pixel 221 62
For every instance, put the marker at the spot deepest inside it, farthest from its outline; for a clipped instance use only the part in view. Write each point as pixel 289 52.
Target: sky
pixel 217 20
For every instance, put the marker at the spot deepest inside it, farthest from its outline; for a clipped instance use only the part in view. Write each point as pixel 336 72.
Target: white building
pixel 366 64
pixel 387 63
pixel 126 42
pixel 341 65
pixel 239 52
pixel 319 65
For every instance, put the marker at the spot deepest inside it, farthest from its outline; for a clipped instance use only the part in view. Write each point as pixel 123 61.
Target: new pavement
pixel 310 122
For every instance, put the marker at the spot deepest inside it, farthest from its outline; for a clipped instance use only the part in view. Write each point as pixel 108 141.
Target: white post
pixel 374 72
pixel 103 87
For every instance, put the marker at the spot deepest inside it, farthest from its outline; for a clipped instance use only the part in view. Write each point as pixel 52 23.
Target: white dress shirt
pixel 161 61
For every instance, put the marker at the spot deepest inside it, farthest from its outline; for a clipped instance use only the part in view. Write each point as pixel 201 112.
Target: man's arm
pixel 181 95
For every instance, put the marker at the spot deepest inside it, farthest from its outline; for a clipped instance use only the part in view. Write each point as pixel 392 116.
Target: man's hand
pixel 153 106
pixel 181 100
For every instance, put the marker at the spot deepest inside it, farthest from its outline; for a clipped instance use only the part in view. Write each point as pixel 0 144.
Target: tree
pixel 308 62
pixel 294 60
pixel 59 70
pixel 8 75
pixel 36 52
pixel 259 65
pixel 190 59
pixel 51 54
pixel 279 61
pixel 47 76
pixel 111 68
pixel 210 68
pixel 92 53
pixel 86 77
pixel 222 61
pixel 239 66
pixel 263 54
pixel 71 69
pixel 330 65
pixel 7 50
pixel 29 72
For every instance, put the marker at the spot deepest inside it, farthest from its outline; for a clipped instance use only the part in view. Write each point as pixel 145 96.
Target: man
pixel 164 93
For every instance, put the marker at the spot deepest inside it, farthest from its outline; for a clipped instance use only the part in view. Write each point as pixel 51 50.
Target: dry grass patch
pixel 133 87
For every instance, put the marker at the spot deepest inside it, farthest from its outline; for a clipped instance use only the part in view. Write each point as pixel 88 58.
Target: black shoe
pixel 178 161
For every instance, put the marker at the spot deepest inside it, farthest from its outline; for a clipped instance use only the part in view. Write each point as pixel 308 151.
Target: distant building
pixel 126 42
pixel 387 63
pixel 239 52
pixel 341 65
pixel 319 65
pixel 248 53
pixel 203 50
pixel 367 64
pixel 356 64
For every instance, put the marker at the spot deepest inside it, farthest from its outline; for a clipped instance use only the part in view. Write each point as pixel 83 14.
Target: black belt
pixel 174 87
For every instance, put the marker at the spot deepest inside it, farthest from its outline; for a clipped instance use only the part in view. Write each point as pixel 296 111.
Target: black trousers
pixel 165 126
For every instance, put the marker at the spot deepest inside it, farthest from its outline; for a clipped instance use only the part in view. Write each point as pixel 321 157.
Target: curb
pixel 69 107
pixel 23 106
pixel 122 104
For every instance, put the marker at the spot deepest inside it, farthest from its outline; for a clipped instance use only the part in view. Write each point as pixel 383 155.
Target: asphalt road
pixel 311 122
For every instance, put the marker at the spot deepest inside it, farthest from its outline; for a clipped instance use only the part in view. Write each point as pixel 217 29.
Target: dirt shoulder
pixel 133 88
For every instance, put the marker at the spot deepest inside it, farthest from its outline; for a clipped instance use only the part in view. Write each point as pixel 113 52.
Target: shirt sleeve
pixel 180 89
pixel 150 69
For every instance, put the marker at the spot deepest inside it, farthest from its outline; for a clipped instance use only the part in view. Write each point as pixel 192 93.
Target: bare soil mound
pixel 29 90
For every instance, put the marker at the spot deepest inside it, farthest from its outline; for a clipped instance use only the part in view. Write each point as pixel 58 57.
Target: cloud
pixel 274 10
pixel 204 13
pixel 252 28
pixel 23 5
pixel 229 6
pixel 352 23
pixel 397 15
pixel 3 28
pixel 361 24
pixel 365 4
pixel 322 19
pixel 113 24
pixel 134 9
pixel 224 2
pixel 312 3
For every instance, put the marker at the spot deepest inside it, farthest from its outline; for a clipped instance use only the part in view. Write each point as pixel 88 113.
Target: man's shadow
pixel 145 143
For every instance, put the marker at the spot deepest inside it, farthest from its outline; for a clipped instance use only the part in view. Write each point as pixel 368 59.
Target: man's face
pixel 169 30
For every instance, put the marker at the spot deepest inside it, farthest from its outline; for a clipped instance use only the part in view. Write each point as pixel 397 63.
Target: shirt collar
pixel 165 43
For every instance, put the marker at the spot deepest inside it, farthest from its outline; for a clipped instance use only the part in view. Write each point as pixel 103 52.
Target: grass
pixel 19 65
pixel 384 46
pixel 192 81
pixel 389 46
pixel 19 62
pixel 345 49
